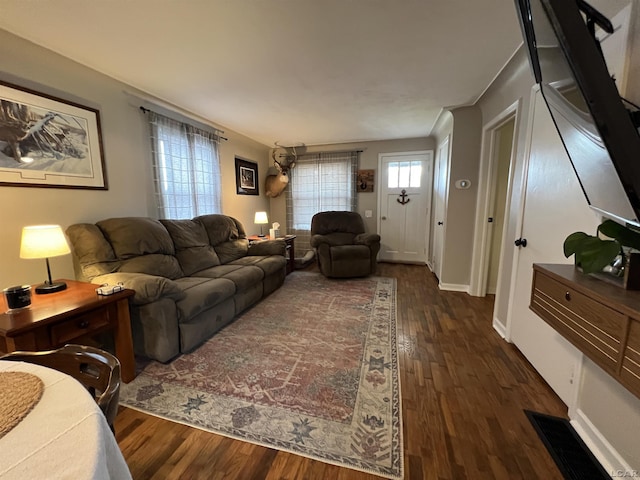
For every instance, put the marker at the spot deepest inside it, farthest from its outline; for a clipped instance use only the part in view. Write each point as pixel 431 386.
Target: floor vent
pixel 574 459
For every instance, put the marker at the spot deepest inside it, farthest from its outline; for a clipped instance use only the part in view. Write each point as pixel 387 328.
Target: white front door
pixel 405 205
pixel 441 181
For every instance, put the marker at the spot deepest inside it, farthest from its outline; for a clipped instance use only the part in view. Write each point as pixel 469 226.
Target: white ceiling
pixel 287 71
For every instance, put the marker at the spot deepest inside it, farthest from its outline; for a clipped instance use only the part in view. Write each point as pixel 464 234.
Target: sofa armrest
pixel 316 240
pixel 267 247
pixel 148 288
pixel 367 239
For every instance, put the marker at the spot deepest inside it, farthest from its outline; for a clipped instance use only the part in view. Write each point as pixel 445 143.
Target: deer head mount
pixel 275 184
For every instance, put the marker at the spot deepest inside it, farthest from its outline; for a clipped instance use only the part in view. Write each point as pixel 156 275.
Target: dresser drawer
pixel 79 326
pixel 630 372
pixel 594 328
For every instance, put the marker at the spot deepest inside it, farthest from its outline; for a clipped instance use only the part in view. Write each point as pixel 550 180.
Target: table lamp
pixel 261 219
pixel 44 241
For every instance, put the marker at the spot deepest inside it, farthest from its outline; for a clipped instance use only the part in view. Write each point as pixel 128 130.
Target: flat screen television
pixel 596 127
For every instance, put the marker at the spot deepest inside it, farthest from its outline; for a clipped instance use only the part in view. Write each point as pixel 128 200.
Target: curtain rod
pixel 282 155
pixel 217 130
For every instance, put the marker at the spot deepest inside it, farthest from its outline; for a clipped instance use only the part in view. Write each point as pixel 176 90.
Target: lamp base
pixel 262 235
pixel 51 287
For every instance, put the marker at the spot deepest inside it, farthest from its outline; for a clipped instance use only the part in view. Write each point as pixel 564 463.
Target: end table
pixel 55 319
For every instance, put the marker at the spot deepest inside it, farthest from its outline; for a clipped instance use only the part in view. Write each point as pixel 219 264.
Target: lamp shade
pixel 261 218
pixel 43 241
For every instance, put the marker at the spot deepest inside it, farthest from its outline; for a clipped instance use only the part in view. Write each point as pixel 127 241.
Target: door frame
pixel 445 143
pixel 428 195
pixel 486 197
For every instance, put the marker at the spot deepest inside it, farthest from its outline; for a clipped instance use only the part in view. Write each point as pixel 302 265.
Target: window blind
pixel 186 168
pixel 319 182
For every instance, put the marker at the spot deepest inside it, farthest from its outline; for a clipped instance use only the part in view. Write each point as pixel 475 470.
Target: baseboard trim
pixel 453 287
pixel 500 328
pixel 608 456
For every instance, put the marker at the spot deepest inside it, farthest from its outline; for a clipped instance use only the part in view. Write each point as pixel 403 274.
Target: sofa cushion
pixel 153 264
pixel 191 245
pixel 201 294
pixel 94 254
pixel 268 264
pixel 243 276
pixel 226 236
pixel 350 253
pixel 324 223
pixel 134 238
pixel 229 251
pixel 346 261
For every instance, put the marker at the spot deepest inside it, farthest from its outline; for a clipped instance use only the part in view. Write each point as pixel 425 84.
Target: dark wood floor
pixel 463 389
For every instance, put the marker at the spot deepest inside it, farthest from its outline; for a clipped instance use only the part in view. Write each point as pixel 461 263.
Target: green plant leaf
pixel 594 254
pixel 625 236
pixel 573 242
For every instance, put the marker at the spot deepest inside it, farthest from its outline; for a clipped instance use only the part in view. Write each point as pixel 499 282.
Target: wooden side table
pixel 55 319
pixel 289 241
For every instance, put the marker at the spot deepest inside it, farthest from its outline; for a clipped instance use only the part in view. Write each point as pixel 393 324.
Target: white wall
pixel 464 164
pixel 127 158
pixel 464 126
pixel 513 84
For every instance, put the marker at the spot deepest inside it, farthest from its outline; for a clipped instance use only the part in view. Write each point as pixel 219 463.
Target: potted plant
pixel 612 254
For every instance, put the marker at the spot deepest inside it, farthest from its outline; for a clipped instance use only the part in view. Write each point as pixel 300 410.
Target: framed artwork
pixel 246 177
pixel 49 142
pixel 365 180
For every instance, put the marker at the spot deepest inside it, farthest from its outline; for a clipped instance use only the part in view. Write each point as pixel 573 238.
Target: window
pixel 319 182
pixel 186 168
pixel 404 174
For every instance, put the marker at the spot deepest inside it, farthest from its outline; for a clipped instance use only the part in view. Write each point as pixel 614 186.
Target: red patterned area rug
pixel 312 370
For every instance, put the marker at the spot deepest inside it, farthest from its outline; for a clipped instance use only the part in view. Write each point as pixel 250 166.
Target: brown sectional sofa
pixel 191 277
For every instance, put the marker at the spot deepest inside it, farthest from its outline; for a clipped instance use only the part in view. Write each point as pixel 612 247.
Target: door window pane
pixel 404 174
pixel 415 175
pixel 393 172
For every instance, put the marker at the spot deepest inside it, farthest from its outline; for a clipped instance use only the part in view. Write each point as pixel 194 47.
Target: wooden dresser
pixel 600 319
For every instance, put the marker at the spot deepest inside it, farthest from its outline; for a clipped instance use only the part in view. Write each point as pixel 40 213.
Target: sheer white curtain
pixel 186 168
pixel 319 182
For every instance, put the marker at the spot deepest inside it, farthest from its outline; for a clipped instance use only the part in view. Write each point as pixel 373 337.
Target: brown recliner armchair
pixel 342 247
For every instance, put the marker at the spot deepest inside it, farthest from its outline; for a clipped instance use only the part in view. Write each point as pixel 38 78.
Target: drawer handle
pixel 83 324
pixel 567 296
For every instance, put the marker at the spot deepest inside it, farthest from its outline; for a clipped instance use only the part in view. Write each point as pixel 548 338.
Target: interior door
pixel 503 142
pixel 440 185
pixel 552 190
pixel 405 206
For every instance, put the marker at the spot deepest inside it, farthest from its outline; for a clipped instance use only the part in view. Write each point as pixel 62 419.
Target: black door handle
pixel 440 223
pixel 520 242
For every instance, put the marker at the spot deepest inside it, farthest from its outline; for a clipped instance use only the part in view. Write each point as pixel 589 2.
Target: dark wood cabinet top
pixel 614 296
pixel 47 308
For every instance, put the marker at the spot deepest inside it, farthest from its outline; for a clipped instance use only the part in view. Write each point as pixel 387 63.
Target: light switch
pixel 368 213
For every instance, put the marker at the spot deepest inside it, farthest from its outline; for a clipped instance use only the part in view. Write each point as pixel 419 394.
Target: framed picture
pixel 366 179
pixel 246 177
pixel 49 142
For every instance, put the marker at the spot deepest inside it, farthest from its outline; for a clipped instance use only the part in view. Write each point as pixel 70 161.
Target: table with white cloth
pixel 64 436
